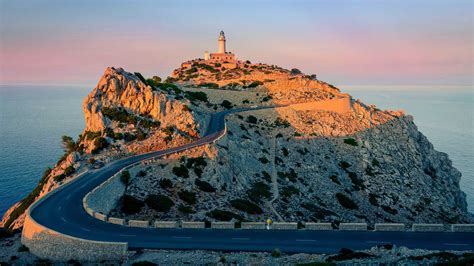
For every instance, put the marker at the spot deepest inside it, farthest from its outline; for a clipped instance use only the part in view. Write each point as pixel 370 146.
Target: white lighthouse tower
pixel 221 49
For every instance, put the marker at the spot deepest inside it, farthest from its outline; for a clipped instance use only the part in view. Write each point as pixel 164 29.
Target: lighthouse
pixel 222 56
pixel 221 49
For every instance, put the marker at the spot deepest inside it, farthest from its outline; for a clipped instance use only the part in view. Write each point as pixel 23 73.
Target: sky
pixel 363 42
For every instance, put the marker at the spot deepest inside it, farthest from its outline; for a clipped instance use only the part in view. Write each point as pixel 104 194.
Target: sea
pixel 33 119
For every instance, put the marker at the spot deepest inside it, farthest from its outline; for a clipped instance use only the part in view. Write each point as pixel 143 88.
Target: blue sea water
pixel 33 119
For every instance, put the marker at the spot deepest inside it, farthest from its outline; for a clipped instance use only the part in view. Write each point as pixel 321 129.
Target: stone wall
pixel 103 198
pixel 462 228
pixel 252 225
pixel 353 226
pixel 318 226
pixel 49 244
pixel 222 225
pixel 193 225
pixel 428 228
pixel 390 227
pixel 284 226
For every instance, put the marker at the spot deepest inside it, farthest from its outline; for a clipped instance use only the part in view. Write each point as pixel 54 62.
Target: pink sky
pixel 362 42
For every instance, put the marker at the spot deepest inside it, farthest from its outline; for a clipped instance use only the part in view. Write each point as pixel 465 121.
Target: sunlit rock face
pixel 118 88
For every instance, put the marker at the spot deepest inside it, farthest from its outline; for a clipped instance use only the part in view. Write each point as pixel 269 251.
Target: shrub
pixel 266 176
pixel 226 104
pixel 165 183
pixel 140 77
pixel 119 114
pixel 356 182
pixel 347 254
pixel 389 210
pixel 196 95
pixel 254 84
pixel 375 163
pixel 90 135
pixel 289 191
pixel 141 173
pixel 59 178
pixel 346 202
pixel 259 190
pixel 159 203
pixel 68 144
pixel 295 71
pixel 99 144
pixel 187 196
pixel 373 199
pixel 246 206
pixel 23 248
pixel 185 209
pixel 181 171
pixel 334 179
pixel 209 85
pixel 221 215
pixel 125 177
pixel 252 119
pixel 285 151
pixel 276 253
pixel 344 165
pixel 131 205
pixel 291 175
pixel 204 186
pixel 281 122
pixel 129 137
pixel 263 160
pixel 69 170
pixel 350 141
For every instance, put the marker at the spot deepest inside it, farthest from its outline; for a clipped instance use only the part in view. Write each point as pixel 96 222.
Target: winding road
pixel 62 211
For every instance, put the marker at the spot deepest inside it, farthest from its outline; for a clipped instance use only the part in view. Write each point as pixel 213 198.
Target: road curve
pixel 62 211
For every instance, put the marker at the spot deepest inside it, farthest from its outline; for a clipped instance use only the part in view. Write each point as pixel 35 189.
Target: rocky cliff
pixel 123 116
pixel 320 156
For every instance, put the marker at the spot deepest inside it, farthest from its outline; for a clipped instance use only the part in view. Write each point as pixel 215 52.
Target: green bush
pixel 267 176
pixel 289 191
pixel 373 199
pixel 187 196
pixel 129 137
pixel 334 179
pixel 159 203
pixel 356 181
pixel 181 171
pixel 90 135
pixel 226 104
pixel 119 114
pixel 125 177
pixel 285 151
pixel 350 141
pixel 23 248
pixel 165 183
pixel 140 77
pixel 259 190
pixel 281 122
pixel 196 95
pixel 99 144
pixel 254 84
pixel 295 71
pixel 68 144
pixel 344 165
pixel 185 209
pixel 252 119
pixel 141 173
pixel 276 253
pixel 346 202
pixel 263 160
pixel 246 206
pixel 144 263
pixel 222 215
pixel 204 186
pixel 59 178
pixel 69 170
pixel 131 205
pixel 291 175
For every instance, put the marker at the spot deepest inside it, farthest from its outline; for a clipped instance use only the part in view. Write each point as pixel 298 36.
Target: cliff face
pixel 323 157
pixel 123 116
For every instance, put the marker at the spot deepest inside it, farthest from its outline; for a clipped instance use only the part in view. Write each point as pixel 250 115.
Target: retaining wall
pixel 138 223
pixel 114 220
pixel 468 228
pixel 252 225
pixel 428 228
pixel 284 226
pixel 49 244
pixel 390 227
pixel 100 216
pixel 222 225
pixel 193 225
pixel 353 226
pixel 318 226
pixel 105 197
pixel 165 224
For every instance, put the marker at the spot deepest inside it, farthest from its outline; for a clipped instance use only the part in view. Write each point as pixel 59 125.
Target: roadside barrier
pixel 318 226
pixel 284 226
pixel 428 228
pixel 467 228
pixel 222 225
pixel 353 226
pixel 253 225
pixel 390 227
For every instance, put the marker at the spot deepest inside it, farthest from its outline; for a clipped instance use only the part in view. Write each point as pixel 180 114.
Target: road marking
pixel 181 237
pixel 377 242
pixel 126 235
pixel 306 240
pixel 240 238
pixel 68 196
pixel 85 229
pixel 455 244
pixel 59 208
pixel 64 220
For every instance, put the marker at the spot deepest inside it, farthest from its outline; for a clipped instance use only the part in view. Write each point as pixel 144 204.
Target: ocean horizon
pixel 34 117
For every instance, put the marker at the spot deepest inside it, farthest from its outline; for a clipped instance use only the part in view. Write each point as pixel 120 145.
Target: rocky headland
pixel 319 155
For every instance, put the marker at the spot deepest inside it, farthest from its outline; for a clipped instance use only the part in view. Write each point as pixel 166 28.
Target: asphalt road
pixel 63 212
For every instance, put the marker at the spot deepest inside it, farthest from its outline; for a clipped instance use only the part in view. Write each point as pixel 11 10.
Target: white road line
pixel 377 242
pixel 126 235
pixel 64 220
pixel 59 208
pixel 181 237
pixel 68 196
pixel 85 229
pixel 306 240
pixel 240 238
pixel 455 244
